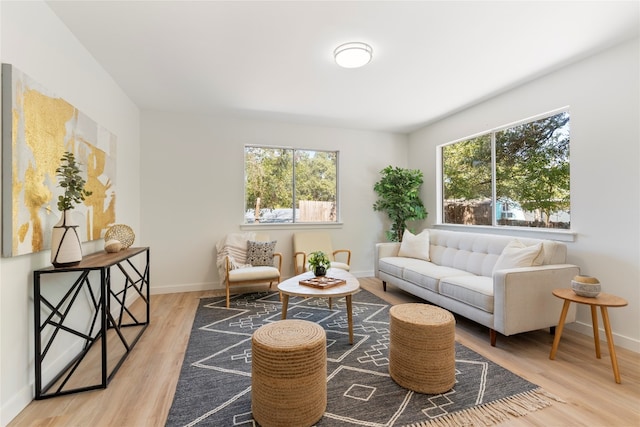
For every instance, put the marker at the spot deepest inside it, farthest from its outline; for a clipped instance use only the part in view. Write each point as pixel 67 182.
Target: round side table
pixel 603 301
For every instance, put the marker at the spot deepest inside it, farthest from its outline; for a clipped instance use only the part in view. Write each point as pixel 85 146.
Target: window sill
pixel 533 233
pixel 291 226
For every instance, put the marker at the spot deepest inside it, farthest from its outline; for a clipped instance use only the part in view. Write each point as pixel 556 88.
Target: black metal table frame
pixel 102 316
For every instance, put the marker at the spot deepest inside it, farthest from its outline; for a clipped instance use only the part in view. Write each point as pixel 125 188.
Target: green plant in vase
pixel 319 262
pixel 72 183
pixel 66 245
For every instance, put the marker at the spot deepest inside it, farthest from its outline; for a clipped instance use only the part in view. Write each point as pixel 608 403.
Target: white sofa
pixel 468 274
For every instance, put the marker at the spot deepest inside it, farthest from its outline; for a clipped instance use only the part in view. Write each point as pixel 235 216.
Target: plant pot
pixel 320 271
pixel 66 247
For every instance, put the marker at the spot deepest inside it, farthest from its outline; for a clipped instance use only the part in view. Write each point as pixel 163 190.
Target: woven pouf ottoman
pixel 422 348
pixel 288 373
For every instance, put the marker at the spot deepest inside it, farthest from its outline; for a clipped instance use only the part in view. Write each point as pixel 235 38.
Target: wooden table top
pixel 293 287
pixel 603 299
pixel 97 260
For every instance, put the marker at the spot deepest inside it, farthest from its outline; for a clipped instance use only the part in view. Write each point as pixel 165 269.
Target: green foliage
pixel 72 183
pixel 467 169
pixel 269 176
pixel 316 175
pixel 532 166
pixel 399 196
pixel 317 259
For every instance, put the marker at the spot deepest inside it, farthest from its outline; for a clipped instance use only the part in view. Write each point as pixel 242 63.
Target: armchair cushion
pixel 340 265
pixel 263 273
pixel 260 253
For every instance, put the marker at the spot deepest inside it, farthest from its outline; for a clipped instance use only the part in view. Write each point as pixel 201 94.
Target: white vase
pixel 66 247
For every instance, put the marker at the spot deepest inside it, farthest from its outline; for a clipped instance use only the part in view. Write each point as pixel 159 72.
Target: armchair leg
pixel 228 298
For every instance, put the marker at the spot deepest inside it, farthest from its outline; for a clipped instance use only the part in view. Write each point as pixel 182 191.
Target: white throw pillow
pixel 517 254
pixel 415 246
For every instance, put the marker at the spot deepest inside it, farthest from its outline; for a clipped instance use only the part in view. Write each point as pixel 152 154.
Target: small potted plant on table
pixel 319 263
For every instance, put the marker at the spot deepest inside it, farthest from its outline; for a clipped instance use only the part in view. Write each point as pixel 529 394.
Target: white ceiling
pixel 273 60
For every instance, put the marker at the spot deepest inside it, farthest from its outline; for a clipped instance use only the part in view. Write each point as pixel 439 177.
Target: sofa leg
pixel 384 286
pixel 552 330
pixel 493 335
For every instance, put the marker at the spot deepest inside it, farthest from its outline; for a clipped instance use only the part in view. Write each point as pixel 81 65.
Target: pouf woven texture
pixel 288 373
pixel 422 350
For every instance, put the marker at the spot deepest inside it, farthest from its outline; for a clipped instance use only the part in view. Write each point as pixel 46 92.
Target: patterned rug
pixel 214 388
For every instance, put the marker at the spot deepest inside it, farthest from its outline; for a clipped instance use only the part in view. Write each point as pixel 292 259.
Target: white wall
pixel 36 42
pixel 603 94
pixel 192 190
pixel 180 183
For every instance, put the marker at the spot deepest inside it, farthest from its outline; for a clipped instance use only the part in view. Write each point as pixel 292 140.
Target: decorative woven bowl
pixel 122 233
pixel 585 286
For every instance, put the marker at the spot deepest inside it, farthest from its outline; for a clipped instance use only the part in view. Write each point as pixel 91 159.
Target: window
pixel 288 185
pixel 522 170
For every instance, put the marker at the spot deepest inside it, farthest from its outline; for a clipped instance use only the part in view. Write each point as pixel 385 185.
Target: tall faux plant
pixel 66 246
pixel 399 196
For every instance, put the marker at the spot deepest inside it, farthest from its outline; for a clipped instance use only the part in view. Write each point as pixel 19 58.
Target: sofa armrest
pixel 383 250
pixel 523 300
pixel 387 249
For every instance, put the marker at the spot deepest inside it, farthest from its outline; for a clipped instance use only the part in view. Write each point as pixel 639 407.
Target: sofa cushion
pixel 427 275
pixel 475 253
pixel 476 291
pixel 415 246
pixel 517 254
pixel 395 266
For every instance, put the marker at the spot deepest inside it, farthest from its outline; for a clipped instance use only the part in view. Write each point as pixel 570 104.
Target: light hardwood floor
pixel 141 392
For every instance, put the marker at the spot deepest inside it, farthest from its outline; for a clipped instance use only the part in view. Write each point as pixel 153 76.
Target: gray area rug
pixel 214 388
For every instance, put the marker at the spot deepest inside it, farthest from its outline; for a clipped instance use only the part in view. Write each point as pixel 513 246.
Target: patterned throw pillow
pixel 260 253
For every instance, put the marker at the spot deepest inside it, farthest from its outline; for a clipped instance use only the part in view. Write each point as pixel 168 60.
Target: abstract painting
pixel 37 128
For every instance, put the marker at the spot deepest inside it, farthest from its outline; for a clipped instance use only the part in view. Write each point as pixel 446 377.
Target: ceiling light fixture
pixel 353 54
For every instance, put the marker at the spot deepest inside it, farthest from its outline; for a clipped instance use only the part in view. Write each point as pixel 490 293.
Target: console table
pixel 80 311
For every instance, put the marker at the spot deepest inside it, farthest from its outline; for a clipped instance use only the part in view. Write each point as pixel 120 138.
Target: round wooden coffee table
pixel 603 301
pixel 292 287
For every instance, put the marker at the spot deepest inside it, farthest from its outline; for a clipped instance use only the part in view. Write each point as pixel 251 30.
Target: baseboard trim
pixel 186 287
pixel 619 340
pixel 216 286
pixel 16 404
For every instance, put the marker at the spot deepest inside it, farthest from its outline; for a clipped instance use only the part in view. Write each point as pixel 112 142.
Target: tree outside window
pixel 514 176
pixel 286 185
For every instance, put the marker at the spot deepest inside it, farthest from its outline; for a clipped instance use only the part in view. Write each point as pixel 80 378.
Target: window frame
pixel 495 228
pixel 299 225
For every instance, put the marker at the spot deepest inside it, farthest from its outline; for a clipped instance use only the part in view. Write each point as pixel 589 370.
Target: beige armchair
pixel 248 258
pixel 305 242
